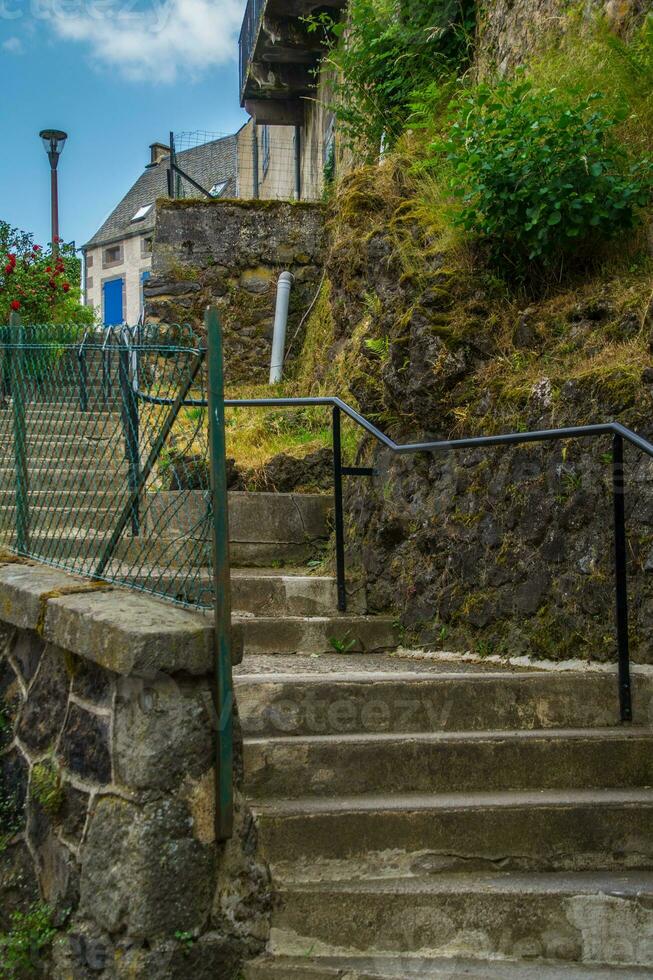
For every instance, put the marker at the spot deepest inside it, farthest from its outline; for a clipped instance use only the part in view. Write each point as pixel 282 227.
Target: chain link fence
pixel 104 460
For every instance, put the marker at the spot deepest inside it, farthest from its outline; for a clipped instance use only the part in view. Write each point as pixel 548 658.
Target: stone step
pixel 255 591
pixel 588 918
pixel 318 634
pixel 402 701
pixel 263 527
pixel 432 833
pixel 78 454
pixel 445 762
pixel 400 967
pixel 62 499
pixel 44 520
pixel 57 477
pixel 275 592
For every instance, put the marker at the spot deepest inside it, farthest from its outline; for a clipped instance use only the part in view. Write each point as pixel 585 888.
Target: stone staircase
pixel 417 819
pixel 78 483
pixel 460 823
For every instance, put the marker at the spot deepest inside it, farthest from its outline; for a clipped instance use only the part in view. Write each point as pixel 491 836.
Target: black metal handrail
pixel 618 432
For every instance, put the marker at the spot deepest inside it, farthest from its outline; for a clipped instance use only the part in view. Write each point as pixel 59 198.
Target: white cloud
pixel 172 37
pixel 13 45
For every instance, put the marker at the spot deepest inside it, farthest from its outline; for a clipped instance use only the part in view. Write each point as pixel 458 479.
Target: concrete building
pixel 284 91
pixel 118 257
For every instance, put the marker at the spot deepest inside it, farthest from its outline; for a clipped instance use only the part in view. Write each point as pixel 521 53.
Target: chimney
pixel 158 152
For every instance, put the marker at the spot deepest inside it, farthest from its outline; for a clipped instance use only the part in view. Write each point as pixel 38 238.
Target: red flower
pixel 15 304
pixel 52 284
pixel 12 259
pixel 66 287
pixel 37 248
pixel 56 239
pixel 48 268
pixel 9 269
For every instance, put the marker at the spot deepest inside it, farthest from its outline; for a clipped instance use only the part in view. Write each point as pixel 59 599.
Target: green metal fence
pixel 104 458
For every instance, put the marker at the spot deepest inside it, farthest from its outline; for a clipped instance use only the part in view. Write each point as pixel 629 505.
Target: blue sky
pixel 116 76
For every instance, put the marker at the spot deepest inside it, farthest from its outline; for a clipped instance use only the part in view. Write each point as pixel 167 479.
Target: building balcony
pixel 278 58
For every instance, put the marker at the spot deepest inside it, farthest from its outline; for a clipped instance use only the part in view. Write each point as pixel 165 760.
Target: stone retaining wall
pixel 230 254
pixel 107 793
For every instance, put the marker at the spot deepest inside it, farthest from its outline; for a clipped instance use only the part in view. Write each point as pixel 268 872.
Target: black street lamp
pixel 53 141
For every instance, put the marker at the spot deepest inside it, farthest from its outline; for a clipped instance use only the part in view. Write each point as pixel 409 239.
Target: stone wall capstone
pixel 230 254
pixel 107 792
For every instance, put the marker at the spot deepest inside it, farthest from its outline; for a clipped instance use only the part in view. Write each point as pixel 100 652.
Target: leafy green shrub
pixel 540 174
pixel 383 53
pixel 22 948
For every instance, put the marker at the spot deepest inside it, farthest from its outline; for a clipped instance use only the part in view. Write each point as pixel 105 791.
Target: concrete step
pixel 588 918
pixel 318 634
pixel 433 833
pixel 263 527
pixel 276 592
pixel 255 591
pixel 445 762
pixel 402 701
pixel 57 477
pixel 83 545
pixel 400 967
pixel 78 455
pixel 62 499
pixel 53 519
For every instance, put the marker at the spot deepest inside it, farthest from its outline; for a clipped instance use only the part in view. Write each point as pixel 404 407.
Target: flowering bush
pixel 42 285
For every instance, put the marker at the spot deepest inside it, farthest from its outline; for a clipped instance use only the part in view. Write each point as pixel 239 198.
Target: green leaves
pixel 538 172
pixel 389 53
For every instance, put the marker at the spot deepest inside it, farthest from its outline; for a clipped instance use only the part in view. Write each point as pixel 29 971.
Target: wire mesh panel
pixel 104 465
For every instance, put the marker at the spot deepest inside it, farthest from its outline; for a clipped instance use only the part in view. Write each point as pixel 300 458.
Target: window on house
pixel 89 261
pixel 265 145
pixel 142 212
pixel 146 245
pixel 89 282
pixel 218 189
pixel 112 255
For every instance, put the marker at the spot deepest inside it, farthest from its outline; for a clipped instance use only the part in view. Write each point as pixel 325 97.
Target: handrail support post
pixel 223 690
pixel 621 578
pixel 338 511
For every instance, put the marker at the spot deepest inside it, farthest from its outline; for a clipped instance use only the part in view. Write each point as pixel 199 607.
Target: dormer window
pixel 218 189
pixel 142 212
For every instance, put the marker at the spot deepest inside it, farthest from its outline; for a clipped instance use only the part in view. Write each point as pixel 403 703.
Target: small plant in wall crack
pixel 344 644
pixel 45 786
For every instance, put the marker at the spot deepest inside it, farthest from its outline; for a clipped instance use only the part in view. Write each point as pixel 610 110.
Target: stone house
pixel 118 258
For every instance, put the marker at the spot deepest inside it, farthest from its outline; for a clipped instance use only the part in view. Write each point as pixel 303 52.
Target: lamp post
pixel 53 141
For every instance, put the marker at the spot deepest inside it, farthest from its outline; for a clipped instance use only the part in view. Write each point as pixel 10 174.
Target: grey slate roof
pixel 208 164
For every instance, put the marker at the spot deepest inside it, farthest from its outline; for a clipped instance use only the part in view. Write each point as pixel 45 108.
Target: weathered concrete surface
pixel 446 762
pixel 379 836
pixel 585 918
pixel 129 633
pixel 273 592
pixel 317 635
pixel 440 968
pixel 278 703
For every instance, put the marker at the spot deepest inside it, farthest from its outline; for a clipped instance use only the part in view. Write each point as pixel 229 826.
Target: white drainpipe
pixel 280 324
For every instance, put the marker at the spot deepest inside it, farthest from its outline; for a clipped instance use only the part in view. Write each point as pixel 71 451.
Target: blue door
pixel 144 277
pixel 112 296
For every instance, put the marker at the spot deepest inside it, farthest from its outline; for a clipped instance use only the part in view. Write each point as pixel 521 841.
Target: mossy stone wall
pixel 230 253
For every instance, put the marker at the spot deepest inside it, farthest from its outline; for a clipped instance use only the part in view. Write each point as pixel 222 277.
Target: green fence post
pixel 221 578
pixel 17 375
